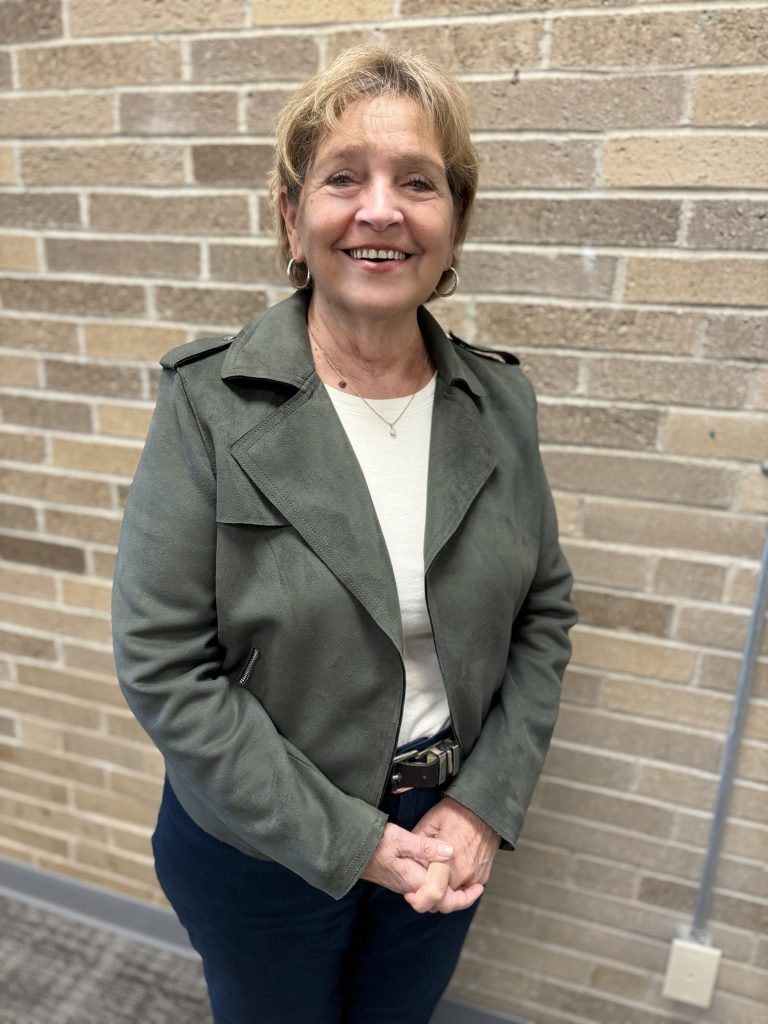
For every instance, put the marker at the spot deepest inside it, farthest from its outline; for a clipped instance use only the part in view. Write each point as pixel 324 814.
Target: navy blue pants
pixel 276 950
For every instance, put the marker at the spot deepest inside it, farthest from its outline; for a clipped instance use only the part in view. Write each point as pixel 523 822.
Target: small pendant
pixel 342 383
pixel 392 432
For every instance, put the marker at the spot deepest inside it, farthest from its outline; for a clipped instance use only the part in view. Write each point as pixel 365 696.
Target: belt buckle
pixel 442 758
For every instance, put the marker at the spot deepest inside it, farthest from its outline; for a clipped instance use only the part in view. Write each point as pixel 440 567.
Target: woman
pixel 340 607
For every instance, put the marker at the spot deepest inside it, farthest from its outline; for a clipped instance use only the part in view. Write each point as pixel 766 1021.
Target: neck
pixel 380 358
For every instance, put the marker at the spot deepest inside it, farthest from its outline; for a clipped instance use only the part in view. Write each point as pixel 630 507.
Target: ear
pixel 290 215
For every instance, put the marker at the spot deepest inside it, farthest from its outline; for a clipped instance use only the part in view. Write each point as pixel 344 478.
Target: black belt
pixel 430 766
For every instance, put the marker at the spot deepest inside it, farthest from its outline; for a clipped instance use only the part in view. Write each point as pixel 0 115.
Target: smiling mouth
pixel 378 255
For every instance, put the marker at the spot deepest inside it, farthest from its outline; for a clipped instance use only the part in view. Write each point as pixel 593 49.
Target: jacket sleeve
pixel 214 735
pixel 498 777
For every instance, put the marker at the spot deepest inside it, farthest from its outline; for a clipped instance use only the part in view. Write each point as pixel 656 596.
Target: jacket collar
pixel 276 347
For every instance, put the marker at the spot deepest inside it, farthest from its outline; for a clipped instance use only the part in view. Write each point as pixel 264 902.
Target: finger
pixel 460 899
pixel 431 893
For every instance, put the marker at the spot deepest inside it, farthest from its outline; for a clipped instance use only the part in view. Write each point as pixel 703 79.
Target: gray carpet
pixel 56 970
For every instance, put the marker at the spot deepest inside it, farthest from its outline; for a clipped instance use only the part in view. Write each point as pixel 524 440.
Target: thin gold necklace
pixel 347 384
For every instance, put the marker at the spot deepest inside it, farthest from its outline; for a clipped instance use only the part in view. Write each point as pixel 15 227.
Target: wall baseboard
pixel 154 926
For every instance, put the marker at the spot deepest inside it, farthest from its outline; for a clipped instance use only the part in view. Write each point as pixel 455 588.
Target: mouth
pixel 378 255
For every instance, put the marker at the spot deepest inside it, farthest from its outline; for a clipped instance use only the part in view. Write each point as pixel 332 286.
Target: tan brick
pixel 742 588
pixel 62 767
pixel 198 215
pixel 594 805
pixel 39 210
pixel 34 839
pixel 653 526
pixel 106 750
pixel 761 396
pixel 50 487
pixel 743 839
pixel 43 553
pixel 269 58
pixel 93 378
pixel 589 327
pixel 537 273
pixel 736 336
pixel 236 164
pixel 635 222
pixel 6 74
pixel 753 762
pixel 104 563
pixel 18 371
pixel 124 420
pixel 21 447
pixel 120 163
pixel 116 863
pixel 608 610
pixel 753 496
pixel 722 281
pixel 23 645
pixel 104 879
pixel 580 687
pixel 721 672
pixel 611 426
pixel 647 477
pixel 684 707
pixel 17 517
pixel 743 980
pixel 48 414
pixel 26 21
pixel 52 115
pixel 70 624
pixel 73 297
pixel 53 818
pixel 132 840
pixel 592 564
pixel 26 583
pixel 145 788
pixel 576 104
pixel 113 17
pixel 681 161
pixel 619 980
pixel 568 508
pixel 680 382
pixel 132 259
pixel 716 435
pixel 502 947
pixel 678 787
pixel 680 577
pixel 210 305
pixel 7 165
pixel 728 224
pixel 139 811
pixel 103 64
pixel 673 39
pixel 84 685
pixel 18 252
pixel 97 456
pixel 535 163
pixel 131 341
pixel 313 12
pixel 186 113
pixel 246 264
pixel 42 705
pixel 551 374
pixel 639 657
pixel 590 766
pixel 739 100
pixel 35 786
pixel 728 909
pixel 124 726
pixel 95 596
pixel 45 335
pixel 88 659
pixel 94 529
pixel 262 107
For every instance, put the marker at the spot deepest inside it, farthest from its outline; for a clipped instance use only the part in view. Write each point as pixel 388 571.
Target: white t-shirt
pixel 395 469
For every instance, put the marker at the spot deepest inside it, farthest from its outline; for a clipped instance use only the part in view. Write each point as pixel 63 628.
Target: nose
pixel 379 206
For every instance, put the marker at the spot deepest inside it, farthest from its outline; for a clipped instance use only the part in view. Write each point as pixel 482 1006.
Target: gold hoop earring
pixel 289 271
pixel 445 295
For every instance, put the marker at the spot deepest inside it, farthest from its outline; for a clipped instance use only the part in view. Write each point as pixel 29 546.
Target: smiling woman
pixel 340 606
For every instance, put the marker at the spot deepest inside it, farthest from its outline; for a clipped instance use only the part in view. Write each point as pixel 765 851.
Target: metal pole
pixel 735 729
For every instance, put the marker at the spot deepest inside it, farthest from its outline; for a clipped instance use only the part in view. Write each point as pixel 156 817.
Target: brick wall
pixel 619 248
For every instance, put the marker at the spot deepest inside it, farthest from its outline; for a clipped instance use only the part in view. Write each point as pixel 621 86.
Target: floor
pixel 58 970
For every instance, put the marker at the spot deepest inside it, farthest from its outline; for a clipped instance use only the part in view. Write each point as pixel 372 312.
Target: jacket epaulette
pixel 497 355
pixel 196 349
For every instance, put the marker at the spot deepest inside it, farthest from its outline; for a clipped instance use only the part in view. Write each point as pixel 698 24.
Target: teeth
pixel 377 254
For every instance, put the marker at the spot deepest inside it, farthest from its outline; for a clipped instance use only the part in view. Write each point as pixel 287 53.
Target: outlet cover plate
pixel 691 973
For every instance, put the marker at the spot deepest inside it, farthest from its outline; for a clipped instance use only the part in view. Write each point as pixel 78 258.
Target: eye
pixel 420 184
pixel 340 178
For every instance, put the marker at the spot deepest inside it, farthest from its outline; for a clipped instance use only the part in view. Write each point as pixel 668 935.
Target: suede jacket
pixel 256 621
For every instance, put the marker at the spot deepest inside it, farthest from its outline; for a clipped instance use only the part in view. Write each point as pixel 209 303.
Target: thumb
pixel 430 849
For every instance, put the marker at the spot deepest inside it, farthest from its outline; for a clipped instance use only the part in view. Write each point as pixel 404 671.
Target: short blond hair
pixel 367 72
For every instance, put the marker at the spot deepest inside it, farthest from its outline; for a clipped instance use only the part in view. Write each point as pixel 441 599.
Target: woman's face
pixel 375 222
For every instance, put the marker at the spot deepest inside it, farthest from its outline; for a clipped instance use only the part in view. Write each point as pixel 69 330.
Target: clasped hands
pixel 442 865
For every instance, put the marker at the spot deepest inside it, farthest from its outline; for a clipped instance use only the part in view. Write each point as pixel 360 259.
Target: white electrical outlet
pixel 691 972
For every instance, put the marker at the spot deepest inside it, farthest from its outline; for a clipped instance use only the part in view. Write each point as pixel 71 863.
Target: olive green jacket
pixel 256 621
